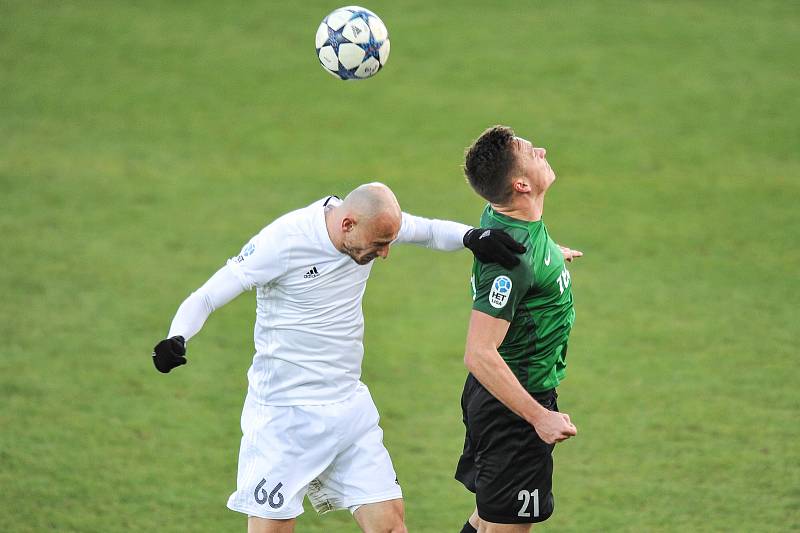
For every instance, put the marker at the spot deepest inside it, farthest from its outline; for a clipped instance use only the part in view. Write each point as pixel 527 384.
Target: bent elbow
pixel 470 360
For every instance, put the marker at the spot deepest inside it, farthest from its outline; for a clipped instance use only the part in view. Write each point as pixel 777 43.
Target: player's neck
pixel 333 224
pixel 529 208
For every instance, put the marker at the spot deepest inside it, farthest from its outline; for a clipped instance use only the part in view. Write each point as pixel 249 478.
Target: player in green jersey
pixel 516 344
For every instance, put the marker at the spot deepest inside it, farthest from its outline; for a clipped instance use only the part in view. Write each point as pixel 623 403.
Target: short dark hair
pixel 488 163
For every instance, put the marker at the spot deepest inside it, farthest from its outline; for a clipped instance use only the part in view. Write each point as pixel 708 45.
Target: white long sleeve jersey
pixel 309 326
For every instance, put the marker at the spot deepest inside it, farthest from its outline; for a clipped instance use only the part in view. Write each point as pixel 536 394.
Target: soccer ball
pixel 352 43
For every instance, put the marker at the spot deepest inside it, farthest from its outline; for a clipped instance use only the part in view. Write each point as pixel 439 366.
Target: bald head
pixel 373 202
pixel 366 222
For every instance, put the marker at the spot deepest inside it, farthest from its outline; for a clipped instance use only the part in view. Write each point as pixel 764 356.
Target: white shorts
pixel 334 453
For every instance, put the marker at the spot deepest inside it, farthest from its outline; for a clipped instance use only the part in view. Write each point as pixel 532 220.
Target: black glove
pixel 493 246
pixel 169 353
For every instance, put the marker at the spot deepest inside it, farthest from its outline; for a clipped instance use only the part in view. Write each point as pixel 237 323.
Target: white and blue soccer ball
pixel 352 43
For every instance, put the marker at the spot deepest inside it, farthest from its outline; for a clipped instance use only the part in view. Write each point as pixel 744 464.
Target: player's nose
pixel 383 251
pixel 540 152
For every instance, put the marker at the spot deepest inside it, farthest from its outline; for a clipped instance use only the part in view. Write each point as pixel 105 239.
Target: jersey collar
pixel 322 228
pixel 510 221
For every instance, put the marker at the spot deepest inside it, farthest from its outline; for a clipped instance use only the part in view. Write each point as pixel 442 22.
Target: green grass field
pixel 142 143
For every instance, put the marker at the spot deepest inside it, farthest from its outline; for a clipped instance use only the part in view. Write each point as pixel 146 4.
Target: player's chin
pixel 365 260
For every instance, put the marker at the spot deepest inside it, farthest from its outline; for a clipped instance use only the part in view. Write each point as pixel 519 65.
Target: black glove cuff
pixel 469 236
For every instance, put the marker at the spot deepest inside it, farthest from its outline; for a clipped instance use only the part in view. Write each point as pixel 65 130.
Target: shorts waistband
pixel 539 396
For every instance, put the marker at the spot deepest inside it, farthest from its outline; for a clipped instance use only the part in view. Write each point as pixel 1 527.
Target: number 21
pixel 526 497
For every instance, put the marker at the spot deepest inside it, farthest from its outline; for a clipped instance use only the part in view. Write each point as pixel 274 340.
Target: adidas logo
pixel 311 273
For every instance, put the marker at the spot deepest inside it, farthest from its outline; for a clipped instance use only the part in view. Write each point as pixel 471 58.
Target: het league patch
pixel 501 290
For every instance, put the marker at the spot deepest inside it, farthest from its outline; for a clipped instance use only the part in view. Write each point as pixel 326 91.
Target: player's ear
pixel 348 224
pixel 520 185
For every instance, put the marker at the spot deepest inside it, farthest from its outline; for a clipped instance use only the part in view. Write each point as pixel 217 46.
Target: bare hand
pixel 555 427
pixel 570 254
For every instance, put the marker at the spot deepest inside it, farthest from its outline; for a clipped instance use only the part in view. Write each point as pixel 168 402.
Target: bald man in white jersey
pixel 309 424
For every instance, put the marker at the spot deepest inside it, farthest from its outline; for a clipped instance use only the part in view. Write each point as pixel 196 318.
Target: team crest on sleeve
pixel 247 250
pixel 501 290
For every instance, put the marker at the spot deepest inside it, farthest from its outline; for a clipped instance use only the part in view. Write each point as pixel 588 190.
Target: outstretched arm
pixel 444 235
pixel 488 245
pixel 261 260
pixel 220 289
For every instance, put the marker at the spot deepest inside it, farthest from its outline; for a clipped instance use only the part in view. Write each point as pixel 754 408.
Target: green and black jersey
pixel 535 297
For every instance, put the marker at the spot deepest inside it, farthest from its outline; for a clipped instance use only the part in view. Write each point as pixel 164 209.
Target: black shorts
pixel 505 463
